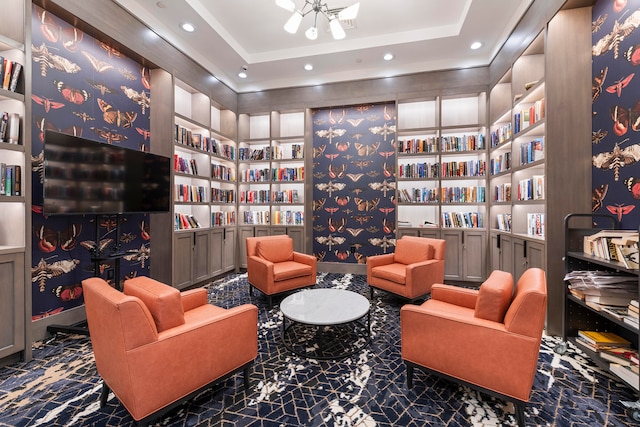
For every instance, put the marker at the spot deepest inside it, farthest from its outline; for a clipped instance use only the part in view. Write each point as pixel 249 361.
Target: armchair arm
pixel 304 258
pixel 224 342
pixel 259 271
pixel 193 298
pixel 479 351
pixel 457 295
pixel 421 276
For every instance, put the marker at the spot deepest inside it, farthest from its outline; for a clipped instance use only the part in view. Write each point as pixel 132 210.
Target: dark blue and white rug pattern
pixel 61 387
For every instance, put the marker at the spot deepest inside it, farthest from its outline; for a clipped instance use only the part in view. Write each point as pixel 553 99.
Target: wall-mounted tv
pixel 82 176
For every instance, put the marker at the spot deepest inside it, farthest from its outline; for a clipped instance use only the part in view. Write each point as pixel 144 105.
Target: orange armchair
pixel 273 267
pixel 416 264
pixel 156 347
pixel 487 339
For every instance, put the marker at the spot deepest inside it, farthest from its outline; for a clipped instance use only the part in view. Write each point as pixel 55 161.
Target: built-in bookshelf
pixel 205 193
pixel 517 113
pixel 15 183
pixel 442 174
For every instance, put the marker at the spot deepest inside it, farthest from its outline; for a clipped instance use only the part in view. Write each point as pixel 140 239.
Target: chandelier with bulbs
pixel 319 8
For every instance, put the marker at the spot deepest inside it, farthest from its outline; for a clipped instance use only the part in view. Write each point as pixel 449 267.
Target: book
pixel 616 311
pixel 626 374
pixel 598 338
pixel 15 76
pixel 6 76
pixel 17 180
pixel 624 356
pixel 621 301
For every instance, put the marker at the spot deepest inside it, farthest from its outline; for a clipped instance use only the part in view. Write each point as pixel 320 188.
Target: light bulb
pixel 311 33
pixel 336 29
pixel 293 23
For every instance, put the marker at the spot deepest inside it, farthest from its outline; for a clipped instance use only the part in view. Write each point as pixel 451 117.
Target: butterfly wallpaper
pixel 354 182
pixel 616 110
pixel 86 88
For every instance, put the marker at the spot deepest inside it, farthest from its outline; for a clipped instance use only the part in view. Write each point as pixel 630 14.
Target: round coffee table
pixel 325 323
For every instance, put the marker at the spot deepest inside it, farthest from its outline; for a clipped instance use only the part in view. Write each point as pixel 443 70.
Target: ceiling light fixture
pixel 476 45
pixel 243 72
pixel 308 67
pixel 320 8
pixel 188 27
pixel 388 56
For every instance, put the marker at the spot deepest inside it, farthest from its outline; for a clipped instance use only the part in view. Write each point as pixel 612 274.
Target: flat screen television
pixel 82 176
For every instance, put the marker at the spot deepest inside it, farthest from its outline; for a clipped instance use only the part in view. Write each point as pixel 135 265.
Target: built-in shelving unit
pixel 15 208
pixel 205 187
pixel 442 177
pixel 271 176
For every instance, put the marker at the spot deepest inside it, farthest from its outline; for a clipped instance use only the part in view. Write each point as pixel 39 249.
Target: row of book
pixel 288 218
pixel 10 180
pixel 419 170
pixel 256 217
pixel 531 188
pixel 461 220
pixel 223 173
pixel 274 174
pixel 10 128
pixel 501 134
pixel 418 145
pixel 418 195
pixel 255 196
pixel 602 290
pixel 271 153
pixel 463 194
pixel 189 193
pixel 502 192
pixel 623 359
pixel 221 218
pixel 185 221
pixel 499 164
pixel 186 136
pixel 614 245
pixel 462 143
pixel 468 168
pixel 504 221
pixel 222 195
pixel 184 165
pixel 11 71
pixel 535 224
pixel 532 151
pixel 529 116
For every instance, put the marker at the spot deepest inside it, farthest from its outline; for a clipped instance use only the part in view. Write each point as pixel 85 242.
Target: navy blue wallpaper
pixel 86 88
pixel 616 110
pixel 354 181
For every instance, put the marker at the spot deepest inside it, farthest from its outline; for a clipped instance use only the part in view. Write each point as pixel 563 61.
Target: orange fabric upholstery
pixel 415 266
pixel 273 267
pixel 445 336
pixel 150 369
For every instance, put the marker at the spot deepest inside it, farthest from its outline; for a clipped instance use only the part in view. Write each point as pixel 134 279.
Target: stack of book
pixel 614 245
pixel 600 341
pixel 602 290
pixel 623 361
pixel 632 314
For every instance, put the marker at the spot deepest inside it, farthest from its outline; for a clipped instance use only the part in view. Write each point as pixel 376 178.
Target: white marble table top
pixel 324 306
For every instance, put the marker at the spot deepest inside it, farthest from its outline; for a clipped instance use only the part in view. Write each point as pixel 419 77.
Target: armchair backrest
pixel 418 244
pixel 526 315
pixel 279 247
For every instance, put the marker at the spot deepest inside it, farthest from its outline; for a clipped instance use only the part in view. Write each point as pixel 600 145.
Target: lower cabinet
pixel 223 250
pixel 466 253
pixel 432 233
pixel 12 304
pixel 295 232
pixel 515 254
pixel 191 260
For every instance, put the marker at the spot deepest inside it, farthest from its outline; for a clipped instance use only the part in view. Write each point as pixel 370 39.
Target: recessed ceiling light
pixel 161 5
pixel 242 75
pixel 388 56
pixel 188 27
pixel 308 67
pixel 476 45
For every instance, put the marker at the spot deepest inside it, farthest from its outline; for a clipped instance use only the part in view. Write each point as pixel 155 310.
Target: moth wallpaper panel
pixel 86 88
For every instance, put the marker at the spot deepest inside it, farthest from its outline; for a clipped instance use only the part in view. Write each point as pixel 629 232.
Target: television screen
pixel 89 177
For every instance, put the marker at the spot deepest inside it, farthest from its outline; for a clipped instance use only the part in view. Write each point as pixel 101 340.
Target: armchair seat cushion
pixel 290 269
pixel 395 272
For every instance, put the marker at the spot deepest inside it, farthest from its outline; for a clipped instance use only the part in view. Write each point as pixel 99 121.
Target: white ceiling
pixel 424 35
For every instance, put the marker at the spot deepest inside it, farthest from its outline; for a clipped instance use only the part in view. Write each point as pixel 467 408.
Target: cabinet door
pixel 243 233
pixel 506 253
pixel 276 231
pixel 432 233
pixel 475 256
pixel 297 234
pixel 12 338
pixel 495 245
pixel 229 250
pixel 182 259
pixel 519 257
pixel 217 251
pixel 407 232
pixel 453 269
pixel 262 231
pixel 202 255
pixel 535 255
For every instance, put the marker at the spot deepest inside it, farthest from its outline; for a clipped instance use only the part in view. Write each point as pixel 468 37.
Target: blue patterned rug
pixel 60 386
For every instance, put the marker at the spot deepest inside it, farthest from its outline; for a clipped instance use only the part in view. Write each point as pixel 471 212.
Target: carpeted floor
pixel 60 386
